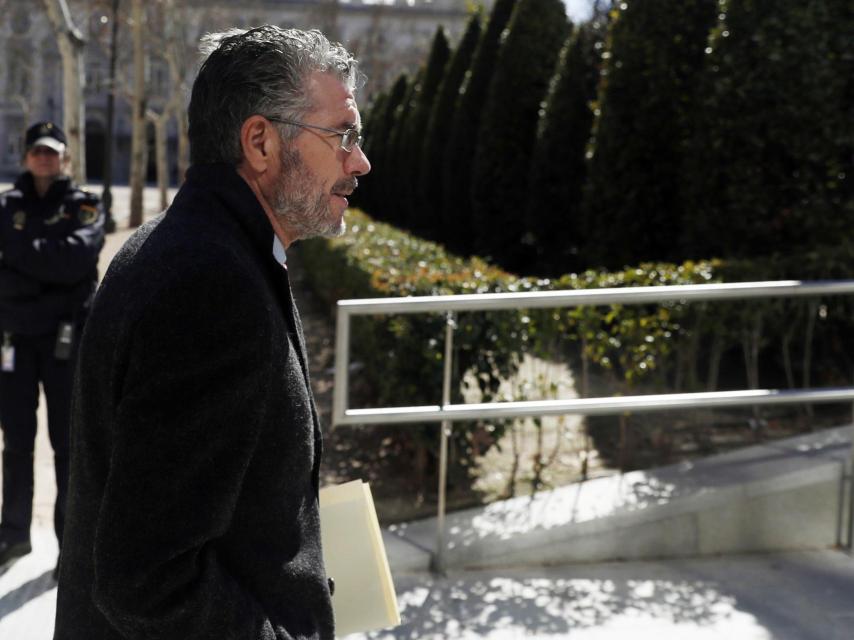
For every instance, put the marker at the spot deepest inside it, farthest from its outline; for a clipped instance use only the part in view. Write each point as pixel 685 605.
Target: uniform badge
pixel 19 220
pixel 59 215
pixel 87 214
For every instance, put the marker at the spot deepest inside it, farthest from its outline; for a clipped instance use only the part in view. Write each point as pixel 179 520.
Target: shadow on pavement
pixel 30 590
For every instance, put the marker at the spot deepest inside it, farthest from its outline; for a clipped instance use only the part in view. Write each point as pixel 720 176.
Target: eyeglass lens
pixel 350 138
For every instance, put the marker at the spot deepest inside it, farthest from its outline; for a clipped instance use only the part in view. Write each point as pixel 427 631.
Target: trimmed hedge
pixel 673 346
pixel 401 356
pixel 636 342
pixel 400 353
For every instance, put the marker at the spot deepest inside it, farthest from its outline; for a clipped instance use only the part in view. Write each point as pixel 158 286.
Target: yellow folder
pixel 355 558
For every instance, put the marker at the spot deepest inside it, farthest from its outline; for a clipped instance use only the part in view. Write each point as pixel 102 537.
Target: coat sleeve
pixel 17 285
pixel 64 259
pixel 191 410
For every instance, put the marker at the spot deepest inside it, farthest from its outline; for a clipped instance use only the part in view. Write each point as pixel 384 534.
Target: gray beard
pixel 300 203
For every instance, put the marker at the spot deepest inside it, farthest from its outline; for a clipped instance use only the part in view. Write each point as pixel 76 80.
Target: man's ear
pixel 257 136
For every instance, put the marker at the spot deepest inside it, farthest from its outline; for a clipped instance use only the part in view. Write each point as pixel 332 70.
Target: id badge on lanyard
pixel 8 353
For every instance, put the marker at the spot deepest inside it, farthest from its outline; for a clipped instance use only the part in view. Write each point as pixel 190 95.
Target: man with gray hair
pixel 193 508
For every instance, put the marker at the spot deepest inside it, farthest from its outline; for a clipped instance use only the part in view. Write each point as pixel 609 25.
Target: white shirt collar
pixel 279 251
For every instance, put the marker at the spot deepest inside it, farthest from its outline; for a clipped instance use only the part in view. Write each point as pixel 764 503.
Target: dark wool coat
pixel 193 508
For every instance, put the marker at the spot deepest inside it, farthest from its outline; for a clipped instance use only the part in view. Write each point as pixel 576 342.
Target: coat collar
pixel 221 182
pixel 58 188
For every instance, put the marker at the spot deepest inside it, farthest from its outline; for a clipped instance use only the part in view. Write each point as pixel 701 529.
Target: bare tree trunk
pixel 160 131
pixel 326 15
pixel 624 434
pixel 183 144
pixel 715 354
pixel 585 393
pixel 806 366
pixel 138 138
pixel 175 54
pixel 751 340
pixel 107 193
pixel 26 109
pixel 71 49
pixel 510 489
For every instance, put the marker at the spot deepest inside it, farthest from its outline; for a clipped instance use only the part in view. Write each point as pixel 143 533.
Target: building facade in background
pixel 388 37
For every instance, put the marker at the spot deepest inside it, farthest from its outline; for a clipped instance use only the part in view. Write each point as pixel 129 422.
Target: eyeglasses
pixel 349 138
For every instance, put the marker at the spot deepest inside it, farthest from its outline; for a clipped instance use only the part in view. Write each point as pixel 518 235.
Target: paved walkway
pixel 794 596
pixel 805 595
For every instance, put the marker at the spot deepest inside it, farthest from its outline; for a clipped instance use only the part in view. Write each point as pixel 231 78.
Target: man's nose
pixel 357 163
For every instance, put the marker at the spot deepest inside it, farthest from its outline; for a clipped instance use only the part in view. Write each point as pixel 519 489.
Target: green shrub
pixel 401 356
pixel 376 260
pixel 629 349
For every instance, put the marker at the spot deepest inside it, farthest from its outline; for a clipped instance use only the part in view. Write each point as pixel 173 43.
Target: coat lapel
pixel 295 329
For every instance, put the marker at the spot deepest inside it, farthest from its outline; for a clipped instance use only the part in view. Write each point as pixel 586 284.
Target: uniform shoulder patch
pixel 87 213
pixel 10 196
pixel 19 220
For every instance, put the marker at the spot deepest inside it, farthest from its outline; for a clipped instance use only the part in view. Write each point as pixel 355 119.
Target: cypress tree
pixel 363 197
pixel 378 141
pixel 523 68
pixel 633 210
pixel 430 193
pixel 416 126
pixel 394 189
pixel 461 143
pixel 772 151
pixel 558 168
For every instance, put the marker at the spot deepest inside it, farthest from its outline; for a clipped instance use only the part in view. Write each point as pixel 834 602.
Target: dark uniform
pixel 48 273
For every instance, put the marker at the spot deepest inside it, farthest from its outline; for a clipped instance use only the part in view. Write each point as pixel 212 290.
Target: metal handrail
pixel 548 299
pixel 597 406
pixel 604 296
pixel 447 413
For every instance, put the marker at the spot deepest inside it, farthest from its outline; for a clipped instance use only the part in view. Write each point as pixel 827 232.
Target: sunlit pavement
pixel 805 595
pixel 793 596
pixel 28 592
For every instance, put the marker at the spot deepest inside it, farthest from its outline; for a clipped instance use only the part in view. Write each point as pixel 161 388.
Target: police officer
pixel 50 235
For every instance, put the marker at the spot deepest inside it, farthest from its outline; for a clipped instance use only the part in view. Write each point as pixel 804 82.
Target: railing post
pixel 850 542
pixel 342 355
pixel 438 563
